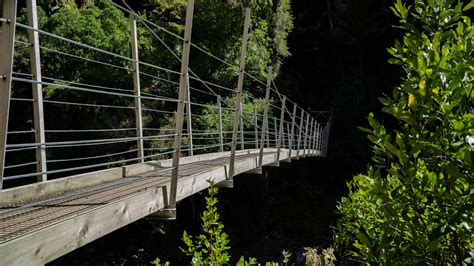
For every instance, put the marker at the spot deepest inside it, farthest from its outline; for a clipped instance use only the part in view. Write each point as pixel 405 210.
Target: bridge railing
pixel 60 118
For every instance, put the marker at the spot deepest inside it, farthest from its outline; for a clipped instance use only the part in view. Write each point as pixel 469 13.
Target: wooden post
pixel 300 134
pixel 255 122
pixel 221 136
pixel 136 88
pixel 189 116
pixel 280 134
pixel 305 146
pixel 38 112
pixel 265 116
pixel 7 40
pixel 181 103
pixel 292 133
pixel 242 135
pixel 238 93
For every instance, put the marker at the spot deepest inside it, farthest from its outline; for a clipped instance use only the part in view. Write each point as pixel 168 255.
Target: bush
pixel 414 204
pixel 209 248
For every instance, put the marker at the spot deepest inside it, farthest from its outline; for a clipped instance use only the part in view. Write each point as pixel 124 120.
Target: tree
pixel 414 204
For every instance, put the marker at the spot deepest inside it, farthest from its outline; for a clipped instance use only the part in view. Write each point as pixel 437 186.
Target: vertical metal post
pixel 221 136
pixel 189 116
pixel 265 116
pixel 308 135
pixel 7 39
pixel 326 138
pixel 267 133
pixel 313 126
pixel 315 138
pixel 255 122
pixel 275 125
pixel 305 146
pixel 238 92
pixel 280 134
pixel 323 137
pixel 38 112
pixel 136 88
pixel 313 135
pixel 181 103
pixel 292 133
pixel 288 138
pixel 242 135
pixel 319 138
pixel 300 133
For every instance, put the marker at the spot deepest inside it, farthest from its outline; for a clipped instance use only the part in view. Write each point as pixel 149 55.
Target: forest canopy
pixel 217 36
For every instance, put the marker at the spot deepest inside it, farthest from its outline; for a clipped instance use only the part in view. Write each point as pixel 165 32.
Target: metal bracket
pixel 164 214
pixel 229 183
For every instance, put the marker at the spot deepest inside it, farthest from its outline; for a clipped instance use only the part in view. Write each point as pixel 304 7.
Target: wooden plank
pixel 49 243
pixel 37 190
pixel 32 191
pixel 192 159
pixel 139 168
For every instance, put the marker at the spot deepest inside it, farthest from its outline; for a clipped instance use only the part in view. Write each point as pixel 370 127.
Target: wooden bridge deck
pixel 72 212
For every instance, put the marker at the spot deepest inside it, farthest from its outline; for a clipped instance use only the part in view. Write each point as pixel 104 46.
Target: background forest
pixel 217 30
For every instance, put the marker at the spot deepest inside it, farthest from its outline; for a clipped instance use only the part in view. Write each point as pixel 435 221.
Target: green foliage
pixel 217 28
pixel 157 262
pixel 252 261
pixel 208 119
pixel 414 204
pixel 325 258
pixel 209 248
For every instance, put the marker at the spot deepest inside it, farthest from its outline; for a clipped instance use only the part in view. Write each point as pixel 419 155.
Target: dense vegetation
pixel 217 29
pixel 414 204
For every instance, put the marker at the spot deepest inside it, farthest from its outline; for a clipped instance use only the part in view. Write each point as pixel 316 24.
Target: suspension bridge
pixel 65 182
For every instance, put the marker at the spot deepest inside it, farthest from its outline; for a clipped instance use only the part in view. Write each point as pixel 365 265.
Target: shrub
pixel 414 204
pixel 209 248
